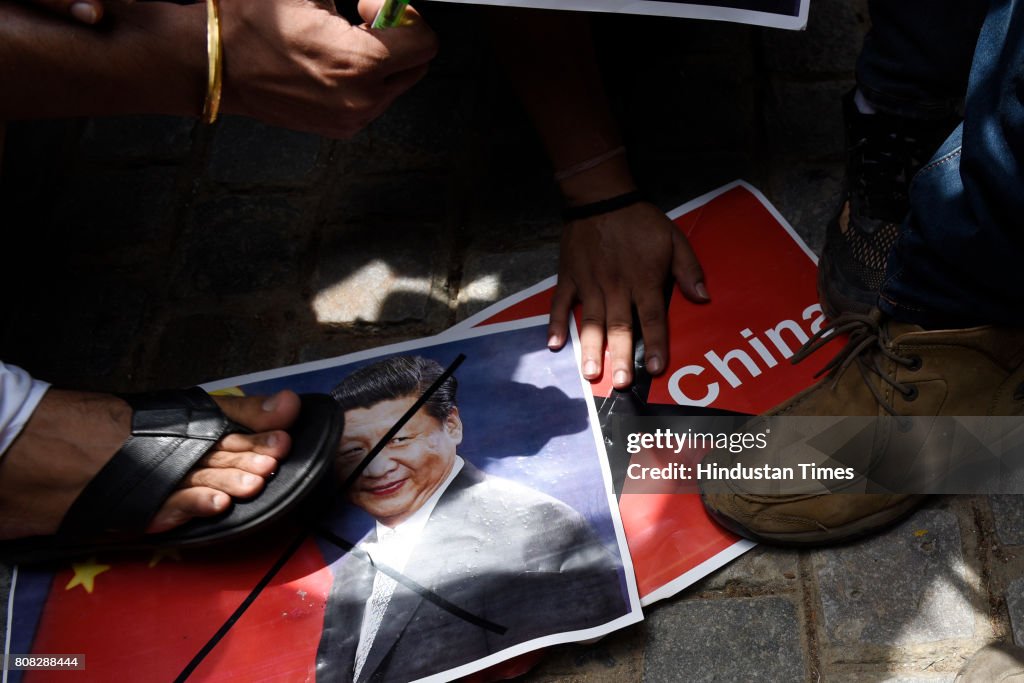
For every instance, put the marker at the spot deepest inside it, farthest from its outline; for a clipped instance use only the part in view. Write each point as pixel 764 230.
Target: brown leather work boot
pixel 888 370
pixel 995 663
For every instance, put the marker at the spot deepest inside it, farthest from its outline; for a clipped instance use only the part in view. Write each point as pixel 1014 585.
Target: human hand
pixel 290 63
pixel 298 64
pixel 609 263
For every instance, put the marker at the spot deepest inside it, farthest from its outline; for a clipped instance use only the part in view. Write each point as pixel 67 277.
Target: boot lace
pixel 869 341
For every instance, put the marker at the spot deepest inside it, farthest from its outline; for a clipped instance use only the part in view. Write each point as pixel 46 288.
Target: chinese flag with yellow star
pixel 146 617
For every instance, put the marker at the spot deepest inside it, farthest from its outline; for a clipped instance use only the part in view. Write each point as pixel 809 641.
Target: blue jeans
pixel 959 257
pixel 917 56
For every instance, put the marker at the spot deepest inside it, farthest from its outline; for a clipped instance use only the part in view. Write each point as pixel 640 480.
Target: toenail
pixel 590 368
pixel 264 462
pixel 621 377
pixel 272 440
pixel 219 500
pixel 270 404
pixel 250 479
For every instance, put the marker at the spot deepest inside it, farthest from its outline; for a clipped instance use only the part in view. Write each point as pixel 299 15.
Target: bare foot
pixel 71 435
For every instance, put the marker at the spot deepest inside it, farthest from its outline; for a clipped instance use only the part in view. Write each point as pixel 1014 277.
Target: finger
pixel 368 10
pixel 620 337
pixel 687 271
pixel 650 308
pixel 592 334
pixel 561 305
pixel 85 11
pixel 404 47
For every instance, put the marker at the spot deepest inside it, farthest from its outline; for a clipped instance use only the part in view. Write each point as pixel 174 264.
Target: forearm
pixel 550 59
pixel 146 58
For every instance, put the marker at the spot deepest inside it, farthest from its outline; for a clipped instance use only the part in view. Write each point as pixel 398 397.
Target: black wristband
pixel 578 213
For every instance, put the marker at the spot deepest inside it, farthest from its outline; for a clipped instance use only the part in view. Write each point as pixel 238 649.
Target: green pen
pixel 390 14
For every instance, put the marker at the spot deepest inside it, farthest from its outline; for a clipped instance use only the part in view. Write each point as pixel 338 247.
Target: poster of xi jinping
pixel 483 528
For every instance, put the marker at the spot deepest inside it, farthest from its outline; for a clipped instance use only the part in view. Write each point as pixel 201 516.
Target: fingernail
pixel 590 368
pixel 621 377
pixel 702 291
pixel 272 440
pixel 84 12
pixel 553 341
pixel 654 365
pixel 270 404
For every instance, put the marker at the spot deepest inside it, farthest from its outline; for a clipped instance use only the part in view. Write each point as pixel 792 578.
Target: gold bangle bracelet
pixel 215 63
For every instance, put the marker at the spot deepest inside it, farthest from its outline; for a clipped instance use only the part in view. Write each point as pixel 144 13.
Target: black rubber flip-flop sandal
pixel 171 432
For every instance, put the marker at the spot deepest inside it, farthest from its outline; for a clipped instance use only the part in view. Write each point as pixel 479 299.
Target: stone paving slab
pixel 618 658
pixel 738 639
pixel 905 587
pixel 356 282
pixel 758 571
pixel 138 138
pixel 241 245
pixel 248 152
pixel 1008 512
pixel 808 195
pixel 490 277
pixel 112 212
pixel 1015 606
pixel 893 678
pixel 830 45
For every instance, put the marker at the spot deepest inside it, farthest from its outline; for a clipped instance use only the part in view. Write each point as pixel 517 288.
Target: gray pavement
pixel 152 252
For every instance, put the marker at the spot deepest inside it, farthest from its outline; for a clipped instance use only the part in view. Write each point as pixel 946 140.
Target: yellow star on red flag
pixel 85 574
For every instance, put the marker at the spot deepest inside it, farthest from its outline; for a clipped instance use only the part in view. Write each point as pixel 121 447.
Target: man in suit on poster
pixel 482 562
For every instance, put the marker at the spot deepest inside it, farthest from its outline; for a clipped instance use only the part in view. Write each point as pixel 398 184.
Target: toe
pixel 275 443
pixel 237 468
pixel 254 463
pixel 262 413
pixel 232 481
pixel 183 505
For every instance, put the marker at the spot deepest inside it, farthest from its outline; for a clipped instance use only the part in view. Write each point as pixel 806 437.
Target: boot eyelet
pixel 910 394
pixel 915 363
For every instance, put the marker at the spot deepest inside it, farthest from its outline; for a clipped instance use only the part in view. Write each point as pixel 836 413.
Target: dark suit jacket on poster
pixel 498 550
